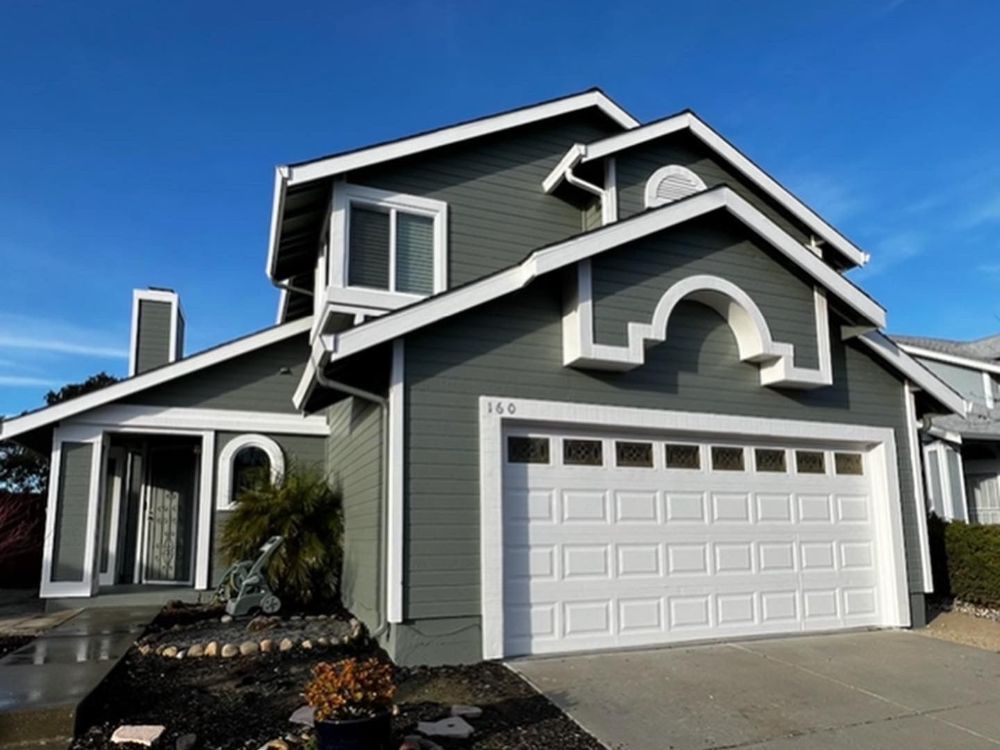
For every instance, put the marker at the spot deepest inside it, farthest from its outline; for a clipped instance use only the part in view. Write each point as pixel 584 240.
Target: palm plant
pixel 301 507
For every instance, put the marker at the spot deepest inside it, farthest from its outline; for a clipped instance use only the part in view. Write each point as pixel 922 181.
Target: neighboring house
pixel 582 382
pixel 962 453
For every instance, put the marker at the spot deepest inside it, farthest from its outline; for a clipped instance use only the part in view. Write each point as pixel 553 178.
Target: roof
pixel 301 190
pixel 985 350
pixel 687 120
pixel 388 327
pixel 45 416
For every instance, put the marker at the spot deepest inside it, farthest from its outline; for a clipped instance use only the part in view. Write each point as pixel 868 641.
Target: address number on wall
pixel 501 407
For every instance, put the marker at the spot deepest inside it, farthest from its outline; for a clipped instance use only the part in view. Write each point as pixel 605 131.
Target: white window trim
pixel 344 196
pixel 495 413
pixel 223 494
pixel 652 200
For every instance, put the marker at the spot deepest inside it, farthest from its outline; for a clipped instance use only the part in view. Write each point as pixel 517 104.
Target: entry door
pixel 169 515
pixel 621 540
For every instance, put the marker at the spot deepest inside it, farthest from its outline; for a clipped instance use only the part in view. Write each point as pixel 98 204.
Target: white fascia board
pixel 951 359
pixel 277 211
pixel 588 245
pixel 314 170
pixel 919 375
pixel 580 153
pixel 20 425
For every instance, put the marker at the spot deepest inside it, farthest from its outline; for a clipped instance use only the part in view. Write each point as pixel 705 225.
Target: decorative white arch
pixel 753 336
pixel 224 486
pixel 671 183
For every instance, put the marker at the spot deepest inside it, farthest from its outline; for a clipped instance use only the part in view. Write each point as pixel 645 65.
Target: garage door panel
pixel 605 556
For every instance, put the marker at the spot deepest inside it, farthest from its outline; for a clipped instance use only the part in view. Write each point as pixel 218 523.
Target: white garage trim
pixel 496 413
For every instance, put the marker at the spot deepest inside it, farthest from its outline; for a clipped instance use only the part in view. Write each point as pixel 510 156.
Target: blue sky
pixel 138 140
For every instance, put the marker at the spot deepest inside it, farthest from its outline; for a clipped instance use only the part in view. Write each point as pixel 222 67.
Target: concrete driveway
pixel 859 690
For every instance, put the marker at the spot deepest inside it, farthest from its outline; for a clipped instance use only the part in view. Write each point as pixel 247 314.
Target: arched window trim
pixel 671 170
pixel 224 485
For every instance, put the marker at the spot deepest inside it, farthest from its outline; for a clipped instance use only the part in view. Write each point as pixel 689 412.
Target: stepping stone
pixel 454 726
pixel 303 715
pixel 138 734
pixel 468 712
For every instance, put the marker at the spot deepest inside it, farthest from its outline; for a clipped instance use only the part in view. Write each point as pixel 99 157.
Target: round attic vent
pixel 671 183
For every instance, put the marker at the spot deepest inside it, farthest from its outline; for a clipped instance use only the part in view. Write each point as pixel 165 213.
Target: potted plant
pixel 352 704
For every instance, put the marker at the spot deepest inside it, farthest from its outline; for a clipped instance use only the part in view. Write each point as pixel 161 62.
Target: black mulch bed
pixel 242 702
pixel 9 643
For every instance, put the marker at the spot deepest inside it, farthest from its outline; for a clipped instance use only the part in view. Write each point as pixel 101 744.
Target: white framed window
pixel 671 183
pixel 387 249
pixel 241 461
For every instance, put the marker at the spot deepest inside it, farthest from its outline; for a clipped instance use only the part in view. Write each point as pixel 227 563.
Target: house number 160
pixel 501 407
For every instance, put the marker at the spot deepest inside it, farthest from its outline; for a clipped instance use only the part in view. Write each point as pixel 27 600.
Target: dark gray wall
pixel 354 460
pixel 636 165
pixel 153 335
pixel 69 545
pixel 629 281
pixel 513 348
pixel 964 381
pixel 304 450
pixel 497 211
pixel 253 381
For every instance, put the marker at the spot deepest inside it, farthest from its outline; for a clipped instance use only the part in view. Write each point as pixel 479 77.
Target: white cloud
pixel 24 332
pixel 894 250
pixel 62 347
pixel 987 212
pixel 18 381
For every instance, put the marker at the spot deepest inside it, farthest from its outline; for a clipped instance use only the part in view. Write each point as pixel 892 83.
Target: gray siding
pixel 497 212
pixel 635 166
pixel 71 518
pixel 261 380
pixel 153 339
pixel 513 348
pixel 968 383
pixel 304 450
pixel 354 460
pixel 629 281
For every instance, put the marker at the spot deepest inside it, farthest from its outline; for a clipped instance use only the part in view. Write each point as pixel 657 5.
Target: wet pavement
pixel 43 683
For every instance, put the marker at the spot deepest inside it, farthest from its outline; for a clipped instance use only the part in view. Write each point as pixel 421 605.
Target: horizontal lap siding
pixel 497 211
pixel 513 348
pixel 261 380
pixel 636 165
pixel 69 547
pixel 354 460
pixel 306 451
pixel 628 282
pixel 153 340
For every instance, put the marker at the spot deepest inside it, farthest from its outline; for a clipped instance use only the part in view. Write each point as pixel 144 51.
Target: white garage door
pixel 613 541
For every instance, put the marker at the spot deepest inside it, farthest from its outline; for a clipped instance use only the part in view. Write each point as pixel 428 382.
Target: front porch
pixel 131 596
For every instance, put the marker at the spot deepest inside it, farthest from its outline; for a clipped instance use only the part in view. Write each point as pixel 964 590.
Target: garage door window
pixel 683 456
pixel 583 453
pixel 810 462
pixel 725 458
pixel 771 460
pixel 527 450
pixel 848 463
pixel 629 454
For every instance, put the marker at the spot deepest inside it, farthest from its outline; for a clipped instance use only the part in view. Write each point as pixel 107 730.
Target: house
pixel 961 453
pixel 583 383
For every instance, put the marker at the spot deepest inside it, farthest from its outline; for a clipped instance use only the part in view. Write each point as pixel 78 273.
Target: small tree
pixel 20 524
pixel 302 508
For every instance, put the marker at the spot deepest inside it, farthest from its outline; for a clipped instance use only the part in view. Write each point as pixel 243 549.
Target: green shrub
pixel 967 564
pixel 301 508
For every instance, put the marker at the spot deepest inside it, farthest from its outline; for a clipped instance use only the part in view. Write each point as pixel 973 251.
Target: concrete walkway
pixel 43 684
pixel 861 690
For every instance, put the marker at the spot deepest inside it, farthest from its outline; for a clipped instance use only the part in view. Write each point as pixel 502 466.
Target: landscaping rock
pixel 287 644
pixel 169 652
pixel 212 649
pixel 307 644
pixel 138 734
pixel 186 742
pixel 145 649
pixel 196 651
pixel 230 649
pixel 261 623
pixel 323 641
pixel 181 653
pixel 249 648
pixel 303 715
pixel 266 646
pixel 226 619
pixel 453 726
pixel 467 712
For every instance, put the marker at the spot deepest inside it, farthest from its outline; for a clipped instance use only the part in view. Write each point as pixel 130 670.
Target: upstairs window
pixel 392 242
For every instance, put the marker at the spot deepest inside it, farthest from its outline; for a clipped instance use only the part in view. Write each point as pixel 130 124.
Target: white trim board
pixel 276 458
pixel 497 412
pixel 919 375
pixel 583 153
pixel 580 248
pixel 951 359
pixel 396 489
pixel 33 420
pixel 138 417
pixel 297 174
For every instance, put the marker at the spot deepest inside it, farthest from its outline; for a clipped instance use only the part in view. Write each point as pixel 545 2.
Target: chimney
pixel 157 329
